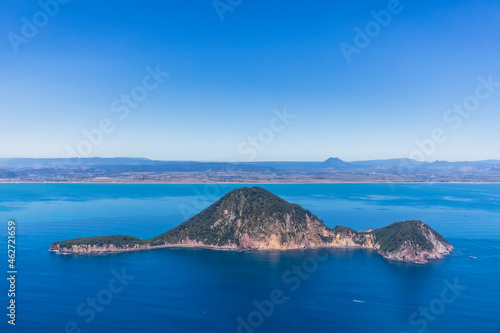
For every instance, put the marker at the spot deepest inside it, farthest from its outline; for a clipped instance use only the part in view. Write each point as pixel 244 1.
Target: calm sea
pixel 195 290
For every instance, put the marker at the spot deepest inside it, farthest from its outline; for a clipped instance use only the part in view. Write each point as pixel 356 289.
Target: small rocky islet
pixel 256 219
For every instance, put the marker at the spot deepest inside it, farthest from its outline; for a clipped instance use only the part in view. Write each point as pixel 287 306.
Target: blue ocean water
pixel 196 290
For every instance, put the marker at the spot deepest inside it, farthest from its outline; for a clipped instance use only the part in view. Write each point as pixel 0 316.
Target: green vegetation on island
pixel 254 210
pixel 392 237
pixel 115 240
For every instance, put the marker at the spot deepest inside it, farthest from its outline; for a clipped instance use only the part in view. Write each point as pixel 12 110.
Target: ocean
pixel 198 290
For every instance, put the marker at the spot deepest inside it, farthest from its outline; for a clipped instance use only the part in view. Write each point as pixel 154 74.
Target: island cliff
pixel 255 219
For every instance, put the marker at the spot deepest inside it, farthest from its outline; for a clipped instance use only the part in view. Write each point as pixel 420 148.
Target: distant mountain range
pixel 330 170
pixel 331 163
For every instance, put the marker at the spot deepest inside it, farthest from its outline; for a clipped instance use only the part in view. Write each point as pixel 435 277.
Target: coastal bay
pixel 351 289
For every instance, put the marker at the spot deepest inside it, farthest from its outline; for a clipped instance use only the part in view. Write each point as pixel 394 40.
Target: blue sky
pixel 227 76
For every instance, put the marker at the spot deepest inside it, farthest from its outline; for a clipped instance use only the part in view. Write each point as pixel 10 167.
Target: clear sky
pixel 74 70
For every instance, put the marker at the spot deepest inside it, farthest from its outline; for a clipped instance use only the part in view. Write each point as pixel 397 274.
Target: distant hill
pixel 256 219
pixel 337 163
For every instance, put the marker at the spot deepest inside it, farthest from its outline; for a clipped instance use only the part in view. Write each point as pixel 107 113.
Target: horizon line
pixel 245 162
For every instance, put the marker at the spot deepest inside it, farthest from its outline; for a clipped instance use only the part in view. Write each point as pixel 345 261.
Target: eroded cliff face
pixel 96 249
pixel 408 253
pixel 315 237
pixel 250 218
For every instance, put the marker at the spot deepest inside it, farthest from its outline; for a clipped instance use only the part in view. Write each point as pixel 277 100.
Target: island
pixel 256 219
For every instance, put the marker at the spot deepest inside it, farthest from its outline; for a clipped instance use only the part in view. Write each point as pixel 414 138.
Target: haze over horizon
pixel 230 81
pixel 257 161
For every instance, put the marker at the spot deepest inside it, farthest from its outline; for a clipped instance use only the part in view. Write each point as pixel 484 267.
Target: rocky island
pixel 256 219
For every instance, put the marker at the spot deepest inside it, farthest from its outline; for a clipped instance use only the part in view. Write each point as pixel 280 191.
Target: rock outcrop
pixel 411 241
